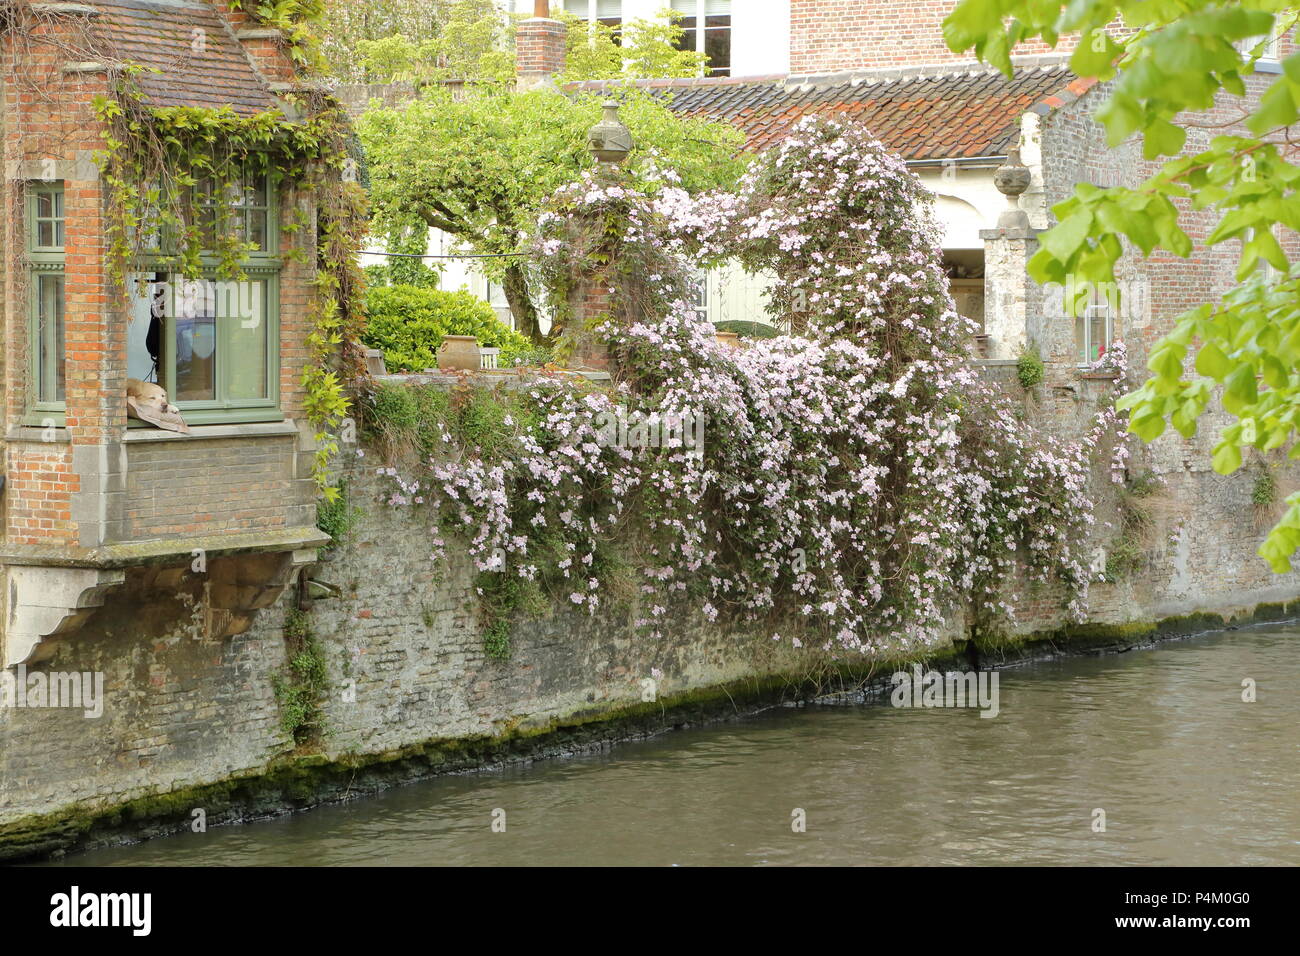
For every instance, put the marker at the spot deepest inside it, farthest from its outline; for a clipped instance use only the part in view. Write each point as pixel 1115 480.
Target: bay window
pixel 211 341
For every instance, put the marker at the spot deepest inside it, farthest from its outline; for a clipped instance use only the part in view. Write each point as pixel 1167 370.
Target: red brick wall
pixel 831 35
pixel 46 114
pixel 49 119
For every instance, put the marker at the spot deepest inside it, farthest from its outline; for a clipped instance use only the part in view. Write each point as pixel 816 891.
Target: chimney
pixel 539 48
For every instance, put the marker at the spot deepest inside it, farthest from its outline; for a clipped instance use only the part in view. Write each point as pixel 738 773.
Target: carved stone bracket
pixel 44 602
pixel 50 592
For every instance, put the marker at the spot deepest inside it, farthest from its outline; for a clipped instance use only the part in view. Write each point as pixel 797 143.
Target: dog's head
pixel 150 394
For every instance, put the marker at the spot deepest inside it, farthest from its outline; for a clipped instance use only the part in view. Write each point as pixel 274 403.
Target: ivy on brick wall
pixel 154 160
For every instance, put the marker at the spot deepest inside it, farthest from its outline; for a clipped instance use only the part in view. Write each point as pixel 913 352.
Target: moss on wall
pixel 297 782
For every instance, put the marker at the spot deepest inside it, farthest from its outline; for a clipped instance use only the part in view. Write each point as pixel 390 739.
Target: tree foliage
pixel 1171 61
pixel 479 167
pixel 430 41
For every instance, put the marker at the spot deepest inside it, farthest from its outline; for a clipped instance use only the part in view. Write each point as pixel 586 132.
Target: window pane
pixel 150 306
pixel 717 44
pixel 687 39
pixel 1097 334
pixel 257 228
pixel 49 335
pixel 241 308
pixel 579 8
pixel 192 311
pixel 220 331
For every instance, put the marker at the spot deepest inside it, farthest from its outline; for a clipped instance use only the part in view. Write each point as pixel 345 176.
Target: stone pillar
pixel 595 297
pixel 539 48
pixel 1010 296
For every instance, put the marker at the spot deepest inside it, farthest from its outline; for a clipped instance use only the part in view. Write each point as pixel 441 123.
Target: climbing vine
pixel 847 486
pixel 160 164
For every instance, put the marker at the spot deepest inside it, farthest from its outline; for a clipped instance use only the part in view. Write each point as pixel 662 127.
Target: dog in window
pixel 147 401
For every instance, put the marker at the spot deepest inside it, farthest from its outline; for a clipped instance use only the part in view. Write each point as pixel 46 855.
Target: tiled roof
pixel 939 114
pixel 208 69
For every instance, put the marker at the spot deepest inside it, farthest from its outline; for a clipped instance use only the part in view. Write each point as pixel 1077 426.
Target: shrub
pixel 1029 368
pixel 1265 491
pixel 746 329
pixel 408 323
pixel 338 517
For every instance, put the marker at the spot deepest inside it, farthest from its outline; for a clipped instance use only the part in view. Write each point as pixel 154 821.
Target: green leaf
pixel 1211 362
pixel 1227 459
pixel 1239 390
pixel 1064 239
pixel 1163 138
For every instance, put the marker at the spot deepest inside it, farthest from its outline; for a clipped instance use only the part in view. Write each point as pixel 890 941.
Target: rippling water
pixel 1160 739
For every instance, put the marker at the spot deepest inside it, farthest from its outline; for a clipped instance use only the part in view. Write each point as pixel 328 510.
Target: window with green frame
pixel 46 237
pixel 213 343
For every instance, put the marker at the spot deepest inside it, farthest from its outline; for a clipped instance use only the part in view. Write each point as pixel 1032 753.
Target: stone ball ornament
pixel 609 140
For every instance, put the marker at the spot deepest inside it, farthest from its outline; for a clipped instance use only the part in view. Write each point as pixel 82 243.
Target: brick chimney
pixel 539 47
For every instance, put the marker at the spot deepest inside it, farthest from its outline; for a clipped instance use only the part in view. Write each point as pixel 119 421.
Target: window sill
pixel 148 433
pixel 1102 375
pixel 40 434
pixel 221 416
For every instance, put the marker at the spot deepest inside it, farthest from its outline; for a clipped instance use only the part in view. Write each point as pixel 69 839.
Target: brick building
pixel 94 501
pixel 955 122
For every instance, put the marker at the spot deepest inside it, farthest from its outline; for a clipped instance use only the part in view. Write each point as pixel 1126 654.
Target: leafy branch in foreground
pixel 1171 64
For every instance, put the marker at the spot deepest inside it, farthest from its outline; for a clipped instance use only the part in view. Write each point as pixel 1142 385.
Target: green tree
pixel 641 49
pixel 1169 61
pixel 379 40
pixel 480 166
pixel 430 41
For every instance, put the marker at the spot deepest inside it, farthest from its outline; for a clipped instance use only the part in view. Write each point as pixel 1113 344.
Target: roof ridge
pixel 931 71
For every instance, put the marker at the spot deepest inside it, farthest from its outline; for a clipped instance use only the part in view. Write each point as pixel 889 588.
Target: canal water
pixel 1159 738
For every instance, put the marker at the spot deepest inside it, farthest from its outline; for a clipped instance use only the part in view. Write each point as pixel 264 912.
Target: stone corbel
pixel 44 602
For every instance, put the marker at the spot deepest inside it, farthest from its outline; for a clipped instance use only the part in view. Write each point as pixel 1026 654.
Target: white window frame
pixel 593 13
pixel 701 30
pixel 1090 312
pixel 1270 59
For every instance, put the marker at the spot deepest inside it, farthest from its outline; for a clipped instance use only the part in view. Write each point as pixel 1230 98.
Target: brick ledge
pixel 161 551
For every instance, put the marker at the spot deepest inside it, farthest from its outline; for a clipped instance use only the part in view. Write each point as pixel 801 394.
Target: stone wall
pixel 189 712
pixel 185 707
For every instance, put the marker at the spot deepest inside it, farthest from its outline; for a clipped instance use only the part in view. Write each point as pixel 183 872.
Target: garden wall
pixel 191 721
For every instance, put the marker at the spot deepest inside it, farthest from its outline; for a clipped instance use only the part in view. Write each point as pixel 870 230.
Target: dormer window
pixel 706 28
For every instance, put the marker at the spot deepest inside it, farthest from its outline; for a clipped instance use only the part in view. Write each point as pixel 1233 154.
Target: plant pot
pixel 458 353
pixel 729 339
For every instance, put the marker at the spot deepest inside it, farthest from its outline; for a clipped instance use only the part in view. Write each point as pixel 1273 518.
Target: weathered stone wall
pixel 185 708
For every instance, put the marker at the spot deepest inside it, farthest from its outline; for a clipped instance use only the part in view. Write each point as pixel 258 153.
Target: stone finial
pixel 1012 179
pixel 609 140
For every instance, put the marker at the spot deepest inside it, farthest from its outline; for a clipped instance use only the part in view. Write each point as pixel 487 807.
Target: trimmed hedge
pixel 408 323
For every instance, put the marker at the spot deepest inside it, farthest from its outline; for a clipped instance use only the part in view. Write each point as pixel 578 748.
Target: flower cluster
pixel 859 484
